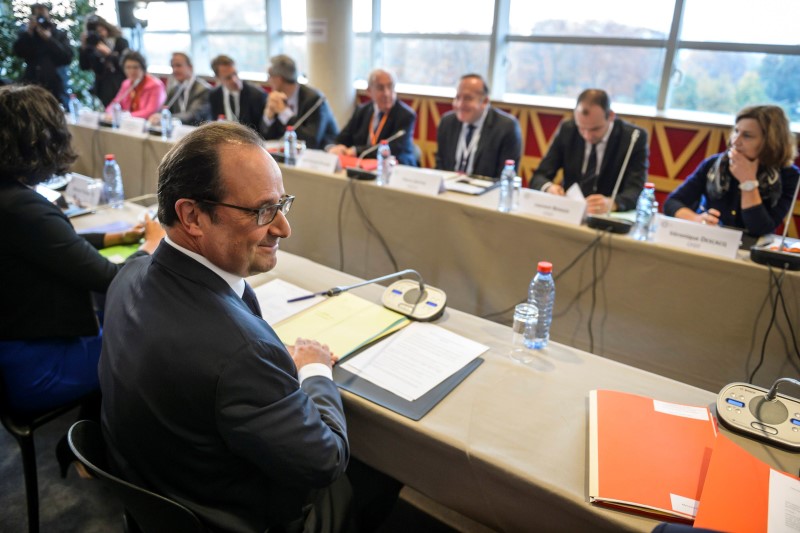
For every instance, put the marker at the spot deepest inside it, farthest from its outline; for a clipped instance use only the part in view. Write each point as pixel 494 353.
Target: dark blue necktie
pixel 465 156
pixel 250 299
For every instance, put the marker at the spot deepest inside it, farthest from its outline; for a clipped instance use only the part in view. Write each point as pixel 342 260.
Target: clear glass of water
pixel 525 317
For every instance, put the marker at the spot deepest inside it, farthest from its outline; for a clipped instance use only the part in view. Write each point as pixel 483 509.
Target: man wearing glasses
pixel 202 402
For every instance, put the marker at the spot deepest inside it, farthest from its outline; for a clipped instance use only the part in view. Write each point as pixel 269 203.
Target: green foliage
pixel 68 15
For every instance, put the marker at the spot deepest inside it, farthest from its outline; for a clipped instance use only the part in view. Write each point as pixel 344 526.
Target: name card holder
pixel 89 119
pixel 134 126
pixel 561 208
pixel 318 160
pixel 84 191
pixel 714 240
pixel 420 180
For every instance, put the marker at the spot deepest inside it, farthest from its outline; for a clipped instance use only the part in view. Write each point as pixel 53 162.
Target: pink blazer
pixel 151 98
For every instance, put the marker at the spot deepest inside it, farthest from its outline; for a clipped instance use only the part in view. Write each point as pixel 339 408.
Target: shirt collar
pixel 478 123
pixel 235 282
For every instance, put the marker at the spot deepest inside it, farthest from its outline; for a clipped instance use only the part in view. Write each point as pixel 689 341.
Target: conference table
pixel 507 448
pixel 696 318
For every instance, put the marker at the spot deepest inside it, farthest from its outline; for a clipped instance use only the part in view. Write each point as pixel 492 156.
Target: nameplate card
pixel 550 206
pixel 704 238
pixel 318 160
pixel 133 126
pixel 84 191
pixel 179 132
pixel 89 119
pixel 420 180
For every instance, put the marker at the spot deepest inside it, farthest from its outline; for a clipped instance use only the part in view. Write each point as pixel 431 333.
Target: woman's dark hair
pixel 33 134
pixel 92 21
pixel 780 144
pixel 132 55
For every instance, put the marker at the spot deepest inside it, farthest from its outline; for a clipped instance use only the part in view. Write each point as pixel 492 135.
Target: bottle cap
pixel 510 162
pixel 220 117
pixel 109 157
pixel 649 185
pixel 545 267
pixel 72 95
pixel 163 108
pixel 384 141
pixel 289 128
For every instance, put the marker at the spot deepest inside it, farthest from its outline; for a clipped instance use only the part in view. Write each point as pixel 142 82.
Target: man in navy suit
pixel 234 99
pixel 289 101
pixel 202 402
pixel 377 120
pixel 591 149
pixel 476 138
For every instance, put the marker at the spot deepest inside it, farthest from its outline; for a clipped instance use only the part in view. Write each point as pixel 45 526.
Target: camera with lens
pixel 92 38
pixel 44 23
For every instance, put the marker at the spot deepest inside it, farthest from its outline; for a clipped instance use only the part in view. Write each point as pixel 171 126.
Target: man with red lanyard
pixel 379 119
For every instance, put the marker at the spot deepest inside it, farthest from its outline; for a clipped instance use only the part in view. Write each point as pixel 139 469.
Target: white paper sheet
pixel 414 360
pixel 272 298
pixel 784 503
pixel 575 193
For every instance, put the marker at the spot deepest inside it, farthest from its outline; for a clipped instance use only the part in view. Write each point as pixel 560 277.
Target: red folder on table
pixel 648 456
pixel 351 161
pixel 736 492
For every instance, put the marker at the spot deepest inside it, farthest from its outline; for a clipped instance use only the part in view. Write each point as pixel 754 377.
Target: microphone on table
pixel 765 255
pixel 606 222
pixel 360 174
pixel 412 299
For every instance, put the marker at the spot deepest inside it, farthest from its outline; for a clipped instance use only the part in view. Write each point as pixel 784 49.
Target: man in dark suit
pixel 234 99
pixel 377 120
pixel 289 101
pixel 202 402
pixel 187 96
pixel 476 138
pixel 591 149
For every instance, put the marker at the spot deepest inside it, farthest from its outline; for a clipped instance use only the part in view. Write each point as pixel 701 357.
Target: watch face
pixel 748 185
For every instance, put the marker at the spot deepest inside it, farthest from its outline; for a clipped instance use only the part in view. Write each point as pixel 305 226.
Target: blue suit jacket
pixel 201 401
pixel 318 130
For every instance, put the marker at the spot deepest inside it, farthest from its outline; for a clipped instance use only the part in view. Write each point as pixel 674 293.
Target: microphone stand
pixel 360 174
pixel 607 222
pixel 778 258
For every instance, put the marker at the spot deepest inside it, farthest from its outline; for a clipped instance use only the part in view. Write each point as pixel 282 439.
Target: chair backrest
pixel 152 513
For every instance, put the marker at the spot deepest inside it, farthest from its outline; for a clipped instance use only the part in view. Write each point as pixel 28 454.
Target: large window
pixel 688 55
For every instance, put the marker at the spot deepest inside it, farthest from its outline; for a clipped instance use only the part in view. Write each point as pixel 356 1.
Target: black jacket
pixel 46 60
pixel 401 117
pixel 318 130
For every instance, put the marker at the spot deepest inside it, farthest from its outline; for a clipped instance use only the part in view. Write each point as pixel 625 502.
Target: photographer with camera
pixel 102 46
pixel 45 50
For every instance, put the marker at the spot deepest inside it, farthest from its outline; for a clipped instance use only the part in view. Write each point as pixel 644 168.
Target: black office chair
pixel 145 511
pixel 22 425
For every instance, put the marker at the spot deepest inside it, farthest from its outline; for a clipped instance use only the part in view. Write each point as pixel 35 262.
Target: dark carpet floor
pixel 80 505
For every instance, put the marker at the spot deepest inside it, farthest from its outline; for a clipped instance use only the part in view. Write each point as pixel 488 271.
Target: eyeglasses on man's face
pixel 264 214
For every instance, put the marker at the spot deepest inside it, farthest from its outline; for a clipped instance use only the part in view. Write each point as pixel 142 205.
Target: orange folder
pixel 647 456
pixel 348 161
pixel 736 491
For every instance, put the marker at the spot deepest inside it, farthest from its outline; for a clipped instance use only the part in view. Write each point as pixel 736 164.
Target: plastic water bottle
pixel 74 107
pixel 166 123
pixel 112 182
pixel 542 294
pixel 507 187
pixel 517 192
pixel 651 230
pixel 384 164
pixel 644 212
pixel 290 146
pixel 116 115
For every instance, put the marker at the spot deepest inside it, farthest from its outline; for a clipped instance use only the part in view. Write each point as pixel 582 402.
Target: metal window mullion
pixel 669 56
pixel 199 44
pixel 274 34
pixel 376 37
pixel 498 49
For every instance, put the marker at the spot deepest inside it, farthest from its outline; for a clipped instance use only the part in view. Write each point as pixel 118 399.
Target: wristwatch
pixel 748 186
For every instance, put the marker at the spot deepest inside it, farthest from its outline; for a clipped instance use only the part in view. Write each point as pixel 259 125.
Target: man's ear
pixel 189 214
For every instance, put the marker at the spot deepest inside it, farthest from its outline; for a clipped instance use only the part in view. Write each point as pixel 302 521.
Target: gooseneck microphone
pixel 606 222
pixel 412 299
pixel 779 258
pixel 319 102
pixel 374 147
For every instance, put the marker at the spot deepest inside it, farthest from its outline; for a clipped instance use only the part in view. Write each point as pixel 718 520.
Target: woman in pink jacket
pixel 141 94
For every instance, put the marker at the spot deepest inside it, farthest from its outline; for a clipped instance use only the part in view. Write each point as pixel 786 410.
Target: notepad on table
pixel 345 323
pixel 648 456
